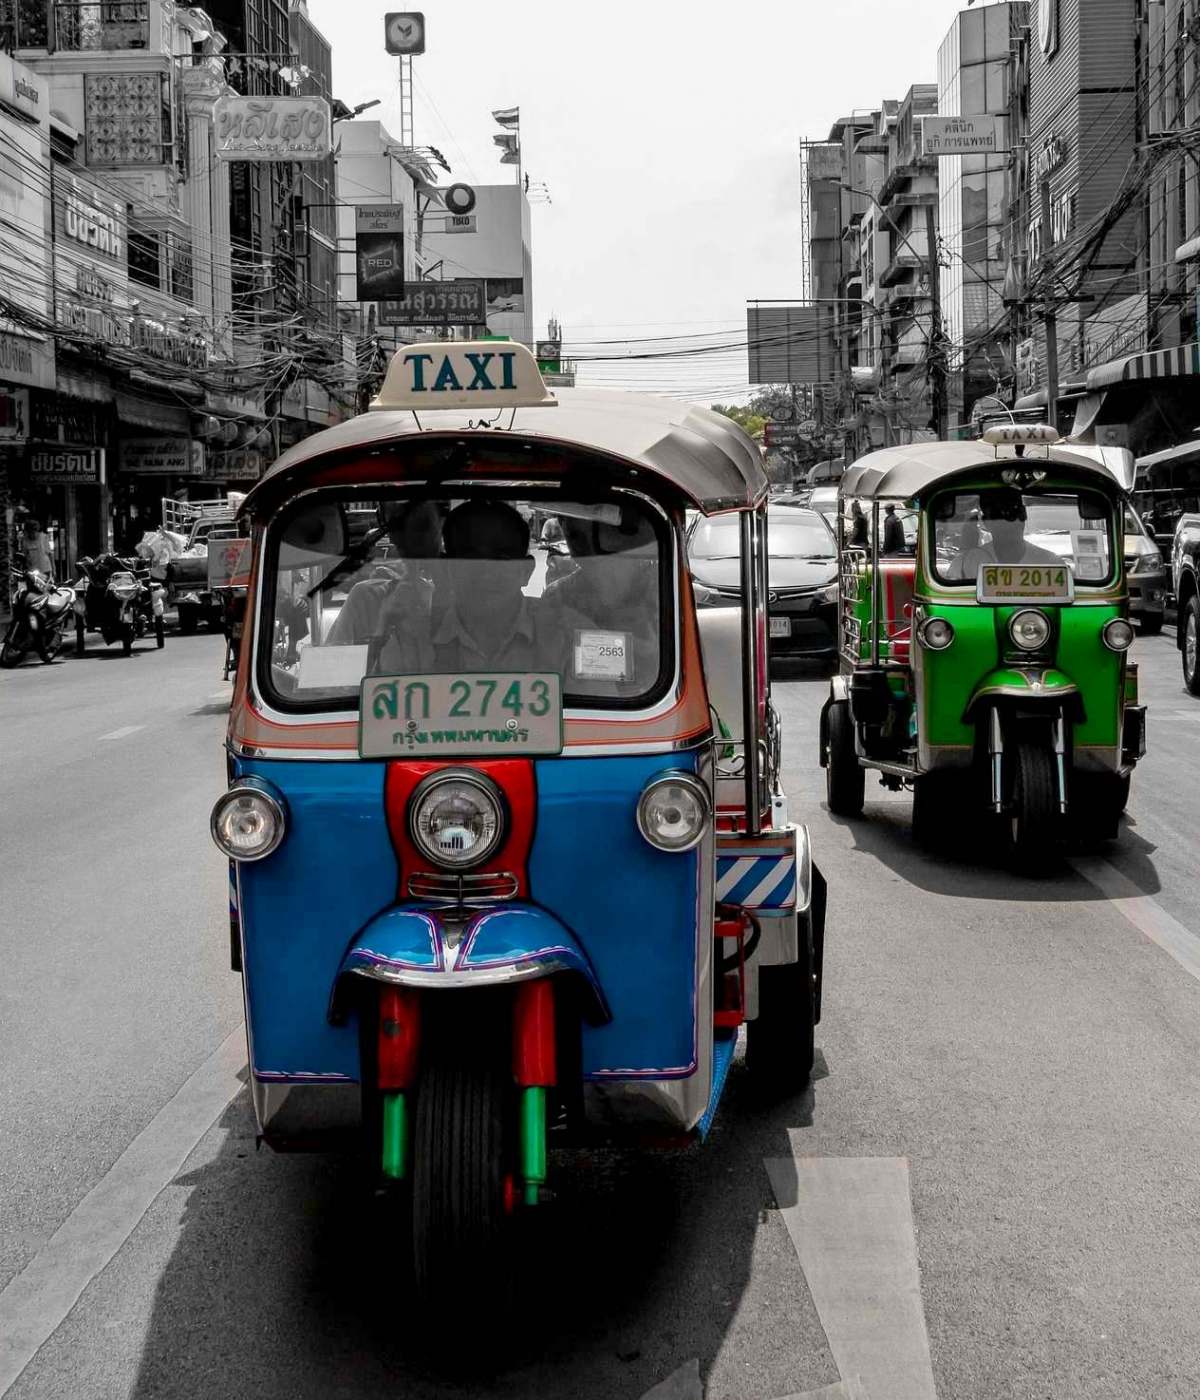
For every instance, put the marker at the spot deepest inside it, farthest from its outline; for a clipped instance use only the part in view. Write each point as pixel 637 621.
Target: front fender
pixel 1029 685
pixel 421 946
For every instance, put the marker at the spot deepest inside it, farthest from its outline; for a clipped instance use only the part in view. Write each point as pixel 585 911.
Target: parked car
pixel 801 576
pixel 824 499
pixel 1185 574
pixel 1147 575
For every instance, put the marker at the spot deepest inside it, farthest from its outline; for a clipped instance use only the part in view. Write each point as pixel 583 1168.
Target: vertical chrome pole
pixel 875 593
pixel 751 602
pixel 996 750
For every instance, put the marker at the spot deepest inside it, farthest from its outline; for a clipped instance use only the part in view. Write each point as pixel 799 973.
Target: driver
pixel 1003 516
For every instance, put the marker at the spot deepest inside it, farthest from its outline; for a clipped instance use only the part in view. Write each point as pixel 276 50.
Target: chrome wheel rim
pixel 1189 643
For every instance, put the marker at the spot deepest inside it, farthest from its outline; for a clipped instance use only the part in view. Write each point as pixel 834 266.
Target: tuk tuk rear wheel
pixel 1189 628
pixel 845 781
pixel 461 1153
pixel 780 1041
pixel 1034 819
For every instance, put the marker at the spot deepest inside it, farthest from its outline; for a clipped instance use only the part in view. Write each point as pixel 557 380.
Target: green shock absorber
pixel 395 1136
pixel 533 1142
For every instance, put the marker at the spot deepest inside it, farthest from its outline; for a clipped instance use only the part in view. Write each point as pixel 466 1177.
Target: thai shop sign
pixel 456 302
pixel 24 90
pixel 162 456
pixel 379 251
pixel 980 135
pixel 26 359
pixel 67 466
pixel 87 218
pixel 272 128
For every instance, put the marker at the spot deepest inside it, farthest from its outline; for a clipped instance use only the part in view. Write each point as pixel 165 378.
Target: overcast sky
pixel 667 134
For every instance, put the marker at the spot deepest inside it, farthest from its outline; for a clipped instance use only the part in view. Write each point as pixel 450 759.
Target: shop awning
pixel 1172 363
pixel 1182 452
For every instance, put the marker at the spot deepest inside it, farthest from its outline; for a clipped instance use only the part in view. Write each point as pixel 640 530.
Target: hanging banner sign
pixel 272 128
pixel 65 466
pixel 379 251
pixel 963 136
pixel 458 302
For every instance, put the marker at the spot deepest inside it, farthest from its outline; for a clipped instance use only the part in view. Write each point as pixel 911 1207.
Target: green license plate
pixel 1025 583
pixel 473 715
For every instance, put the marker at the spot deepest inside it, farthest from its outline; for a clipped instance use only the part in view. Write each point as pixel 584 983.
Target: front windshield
pixel 798 539
pixel 481 583
pixel 1002 525
pixel 717 539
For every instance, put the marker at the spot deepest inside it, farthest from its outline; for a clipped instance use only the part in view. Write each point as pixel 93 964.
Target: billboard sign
pixel 162 456
pixel 790 345
pixel 461 223
pixel 457 302
pixel 981 135
pixel 272 128
pixel 67 466
pixel 379 251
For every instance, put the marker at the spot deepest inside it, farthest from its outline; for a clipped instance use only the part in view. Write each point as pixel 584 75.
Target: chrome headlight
pixel 123 586
pixel 457 819
pixel 1029 629
pixel 673 812
pixel 1117 634
pixel 246 823
pixel 1151 562
pixel 828 594
pixel 935 633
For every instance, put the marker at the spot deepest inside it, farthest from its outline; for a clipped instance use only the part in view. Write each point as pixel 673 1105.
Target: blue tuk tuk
pixel 510 865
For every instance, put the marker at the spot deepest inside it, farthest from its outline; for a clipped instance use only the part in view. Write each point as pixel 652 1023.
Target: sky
pixel 667 135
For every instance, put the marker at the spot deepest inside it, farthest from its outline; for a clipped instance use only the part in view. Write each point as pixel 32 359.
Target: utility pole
pixel 1049 316
pixel 937 349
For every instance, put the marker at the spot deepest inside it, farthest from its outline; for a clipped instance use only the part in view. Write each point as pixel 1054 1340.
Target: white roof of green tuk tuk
pixel 703 454
pixel 901 473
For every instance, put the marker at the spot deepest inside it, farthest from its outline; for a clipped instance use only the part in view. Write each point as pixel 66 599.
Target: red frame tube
pixel 534 1051
pixel 399 1037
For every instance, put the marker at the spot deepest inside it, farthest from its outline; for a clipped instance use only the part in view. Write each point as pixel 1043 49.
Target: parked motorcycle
pixel 117 598
pixel 40 611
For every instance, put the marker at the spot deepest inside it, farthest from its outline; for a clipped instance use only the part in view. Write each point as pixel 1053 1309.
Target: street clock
pixel 1048 26
pixel 404 33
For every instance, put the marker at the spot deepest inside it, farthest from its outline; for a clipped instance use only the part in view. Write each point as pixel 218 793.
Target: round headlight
pixel 1029 629
pixel 1117 634
pixel 457 819
pixel 673 812
pixel 936 633
pixel 246 823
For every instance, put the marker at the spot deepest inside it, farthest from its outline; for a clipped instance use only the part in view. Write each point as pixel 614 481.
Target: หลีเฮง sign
pixel 272 128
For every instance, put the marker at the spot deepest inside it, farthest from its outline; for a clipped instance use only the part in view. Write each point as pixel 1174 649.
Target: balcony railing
pixel 88 26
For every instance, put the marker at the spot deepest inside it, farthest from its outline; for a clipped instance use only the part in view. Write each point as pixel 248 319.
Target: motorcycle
pixel 117 598
pixel 40 611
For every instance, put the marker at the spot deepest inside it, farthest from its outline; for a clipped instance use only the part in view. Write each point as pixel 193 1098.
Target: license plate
pixel 470 715
pixel 780 626
pixel 1025 583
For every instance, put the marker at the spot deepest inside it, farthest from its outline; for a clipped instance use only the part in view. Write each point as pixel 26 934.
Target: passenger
pixel 392 612
pixel 893 533
pixel 488 623
pixel 1003 514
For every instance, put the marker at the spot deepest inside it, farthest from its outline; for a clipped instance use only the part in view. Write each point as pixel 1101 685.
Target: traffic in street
pixel 1003 1111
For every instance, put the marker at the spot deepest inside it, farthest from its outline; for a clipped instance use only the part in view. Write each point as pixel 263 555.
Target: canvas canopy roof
pixel 900 473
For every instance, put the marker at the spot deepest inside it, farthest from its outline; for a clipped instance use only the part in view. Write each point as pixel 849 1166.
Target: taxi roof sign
pixel 1025 434
pixel 483 374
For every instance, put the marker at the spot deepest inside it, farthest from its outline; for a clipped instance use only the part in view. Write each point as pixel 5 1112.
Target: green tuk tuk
pixel 983 640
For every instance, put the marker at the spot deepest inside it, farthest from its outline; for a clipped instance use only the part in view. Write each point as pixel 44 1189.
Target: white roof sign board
pixel 978 135
pixel 482 374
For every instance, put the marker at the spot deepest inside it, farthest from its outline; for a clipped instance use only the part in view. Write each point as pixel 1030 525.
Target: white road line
pixel 122 733
pixel 1146 914
pixel 850 1219
pixel 36 1300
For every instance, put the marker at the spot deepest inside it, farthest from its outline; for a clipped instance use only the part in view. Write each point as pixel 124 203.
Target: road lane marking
pixel 36 1300
pixel 851 1222
pixel 1146 914
pixel 122 733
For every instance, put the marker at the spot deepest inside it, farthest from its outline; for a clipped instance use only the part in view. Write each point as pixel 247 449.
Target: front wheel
pixel 780 1041
pixel 160 632
pixel 80 636
pixel 52 641
pixel 16 644
pixel 1189 626
pixel 1034 819
pixel 461 1177
pixel 127 639
pixel 845 781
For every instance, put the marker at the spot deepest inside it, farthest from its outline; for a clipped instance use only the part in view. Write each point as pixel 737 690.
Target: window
pixel 490 581
pixel 1006 526
pixel 145 264
pixel 180 267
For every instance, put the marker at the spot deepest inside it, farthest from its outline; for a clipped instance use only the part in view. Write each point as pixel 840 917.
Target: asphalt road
pixel 1025 1054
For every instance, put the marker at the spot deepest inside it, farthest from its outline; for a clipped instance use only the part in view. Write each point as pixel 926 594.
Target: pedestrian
pixel 893 532
pixel 34 544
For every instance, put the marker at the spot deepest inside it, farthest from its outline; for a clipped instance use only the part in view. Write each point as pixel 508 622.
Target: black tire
pixel 934 809
pixel 1189 643
pixel 461 1228
pixel 80 636
pixel 160 632
pixel 16 644
pixel 845 781
pixel 1034 825
pixel 127 640
pixel 780 1041
pixel 52 642
pixel 1150 624
pixel 187 620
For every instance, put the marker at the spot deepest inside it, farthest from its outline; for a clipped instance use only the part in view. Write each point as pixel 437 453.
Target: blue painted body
pixel 629 910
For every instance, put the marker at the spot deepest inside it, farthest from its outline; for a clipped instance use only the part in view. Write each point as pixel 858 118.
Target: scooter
pixel 117 598
pixel 39 616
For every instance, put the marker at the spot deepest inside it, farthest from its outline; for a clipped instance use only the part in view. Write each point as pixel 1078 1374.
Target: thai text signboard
pixel 379 251
pixel 979 135
pixel 272 128
pixel 457 302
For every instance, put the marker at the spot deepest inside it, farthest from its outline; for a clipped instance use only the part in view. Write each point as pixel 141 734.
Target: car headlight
pixel 935 633
pixel 1029 629
pixel 1117 634
pixel 1151 562
pixel 247 823
pixel 828 594
pixel 457 819
pixel 673 812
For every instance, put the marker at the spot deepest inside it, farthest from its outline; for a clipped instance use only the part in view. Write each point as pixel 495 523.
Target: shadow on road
pixel 288 1278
